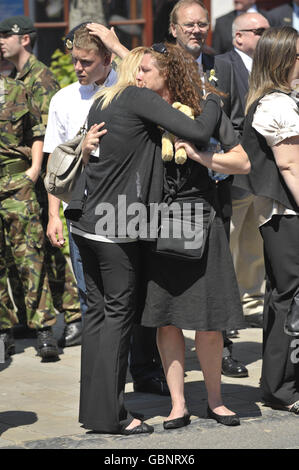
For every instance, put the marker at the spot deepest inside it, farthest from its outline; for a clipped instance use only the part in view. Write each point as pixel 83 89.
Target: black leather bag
pixel 183 231
pixel 291 325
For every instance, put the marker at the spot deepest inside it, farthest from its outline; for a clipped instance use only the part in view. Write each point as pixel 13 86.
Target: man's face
pixel 243 5
pixel 191 29
pixel 90 66
pixel 11 45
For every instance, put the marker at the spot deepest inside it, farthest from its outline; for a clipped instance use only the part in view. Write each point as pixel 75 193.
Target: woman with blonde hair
pixel 127 174
pixel 271 138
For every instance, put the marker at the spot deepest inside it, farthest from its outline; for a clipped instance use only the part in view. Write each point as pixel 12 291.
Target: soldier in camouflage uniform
pixel 42 84
pixel 21 142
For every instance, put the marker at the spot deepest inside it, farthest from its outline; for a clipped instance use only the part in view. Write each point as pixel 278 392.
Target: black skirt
pixel 198 295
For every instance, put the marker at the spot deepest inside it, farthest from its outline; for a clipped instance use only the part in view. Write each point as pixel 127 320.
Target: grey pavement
pixel 39 406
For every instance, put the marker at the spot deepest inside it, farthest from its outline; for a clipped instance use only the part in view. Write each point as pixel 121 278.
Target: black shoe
pixel 72 335
pixel 177 422
pixel 293 409
pixel 157 385
pixel 227 420
pixel 21 331
pixel 255 320
pixel 232 368
pixel 9 346
pixel 46 344
pixel 142 428
pixel 232 333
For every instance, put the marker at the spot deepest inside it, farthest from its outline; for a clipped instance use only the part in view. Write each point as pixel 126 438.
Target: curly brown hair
pixel 180 72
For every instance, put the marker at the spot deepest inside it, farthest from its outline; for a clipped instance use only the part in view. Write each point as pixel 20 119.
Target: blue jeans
pixel 78 271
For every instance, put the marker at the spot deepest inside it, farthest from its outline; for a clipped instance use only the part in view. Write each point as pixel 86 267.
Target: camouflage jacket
pixel 20 121
pixel 40 82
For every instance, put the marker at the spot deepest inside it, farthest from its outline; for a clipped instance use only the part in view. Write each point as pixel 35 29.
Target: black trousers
pixel 110 272
pixel 280 370
pixel 144 359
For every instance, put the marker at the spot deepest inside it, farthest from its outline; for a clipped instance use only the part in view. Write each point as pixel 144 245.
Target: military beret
pixel 69 38
pixel 17 25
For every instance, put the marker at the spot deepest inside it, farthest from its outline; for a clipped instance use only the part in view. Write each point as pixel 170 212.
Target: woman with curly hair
pixel 128 172
pixel 197 295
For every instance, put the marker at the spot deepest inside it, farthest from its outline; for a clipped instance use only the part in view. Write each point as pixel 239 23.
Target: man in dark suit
pixel 285 15
pixel 222 37
pixel 189 25
pixel 245 240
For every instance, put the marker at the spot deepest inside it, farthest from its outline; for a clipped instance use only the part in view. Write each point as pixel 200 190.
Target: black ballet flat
pixel 142 428
pixel 227 420
pixel 293 409
pixel 177 422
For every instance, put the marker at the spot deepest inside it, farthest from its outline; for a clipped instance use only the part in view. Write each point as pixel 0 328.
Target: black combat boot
pixel 46 343
pixel 9 345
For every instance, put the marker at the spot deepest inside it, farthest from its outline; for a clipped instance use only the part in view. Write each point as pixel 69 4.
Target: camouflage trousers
pixel 62 281
pixel 21 229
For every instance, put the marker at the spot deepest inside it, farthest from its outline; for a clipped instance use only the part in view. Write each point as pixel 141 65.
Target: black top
pixel 191 180
pixel 264 178
pixel 130 161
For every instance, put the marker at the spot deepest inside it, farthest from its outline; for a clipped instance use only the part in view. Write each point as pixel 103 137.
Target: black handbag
pixel 291 325
pixel 184 229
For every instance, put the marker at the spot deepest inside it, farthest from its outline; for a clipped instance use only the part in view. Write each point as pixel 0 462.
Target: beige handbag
pixel 65 166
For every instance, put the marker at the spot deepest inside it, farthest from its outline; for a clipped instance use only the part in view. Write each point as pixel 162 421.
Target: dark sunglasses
pixel 159 47
pixel 256 32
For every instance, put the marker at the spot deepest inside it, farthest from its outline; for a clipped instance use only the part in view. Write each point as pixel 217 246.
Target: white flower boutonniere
pixel 212 76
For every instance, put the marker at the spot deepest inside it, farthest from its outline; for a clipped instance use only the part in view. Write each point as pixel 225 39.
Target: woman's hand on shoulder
pixel 92 140
pixel 213 96
pixel 189 148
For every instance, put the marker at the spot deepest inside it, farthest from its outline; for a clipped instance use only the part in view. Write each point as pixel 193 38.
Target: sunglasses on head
pixel 159 47
pixel 256 32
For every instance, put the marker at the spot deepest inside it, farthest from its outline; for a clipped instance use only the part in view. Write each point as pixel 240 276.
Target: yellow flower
pixel 212 76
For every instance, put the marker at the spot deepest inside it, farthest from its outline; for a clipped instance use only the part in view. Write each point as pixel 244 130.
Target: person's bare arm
pixel 37 158
pixel 55 225
pixel 233 162
pixel 286 155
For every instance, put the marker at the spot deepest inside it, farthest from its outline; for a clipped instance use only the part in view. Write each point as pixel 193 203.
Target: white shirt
pixel 68 111
pixel 296 16
pixel 252 9
pixel 276 118
pixel 245 58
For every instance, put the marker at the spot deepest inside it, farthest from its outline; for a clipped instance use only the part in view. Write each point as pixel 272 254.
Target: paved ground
pixel 39 407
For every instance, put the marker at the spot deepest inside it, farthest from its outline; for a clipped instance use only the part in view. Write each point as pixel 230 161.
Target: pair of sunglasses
pixel 160 47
